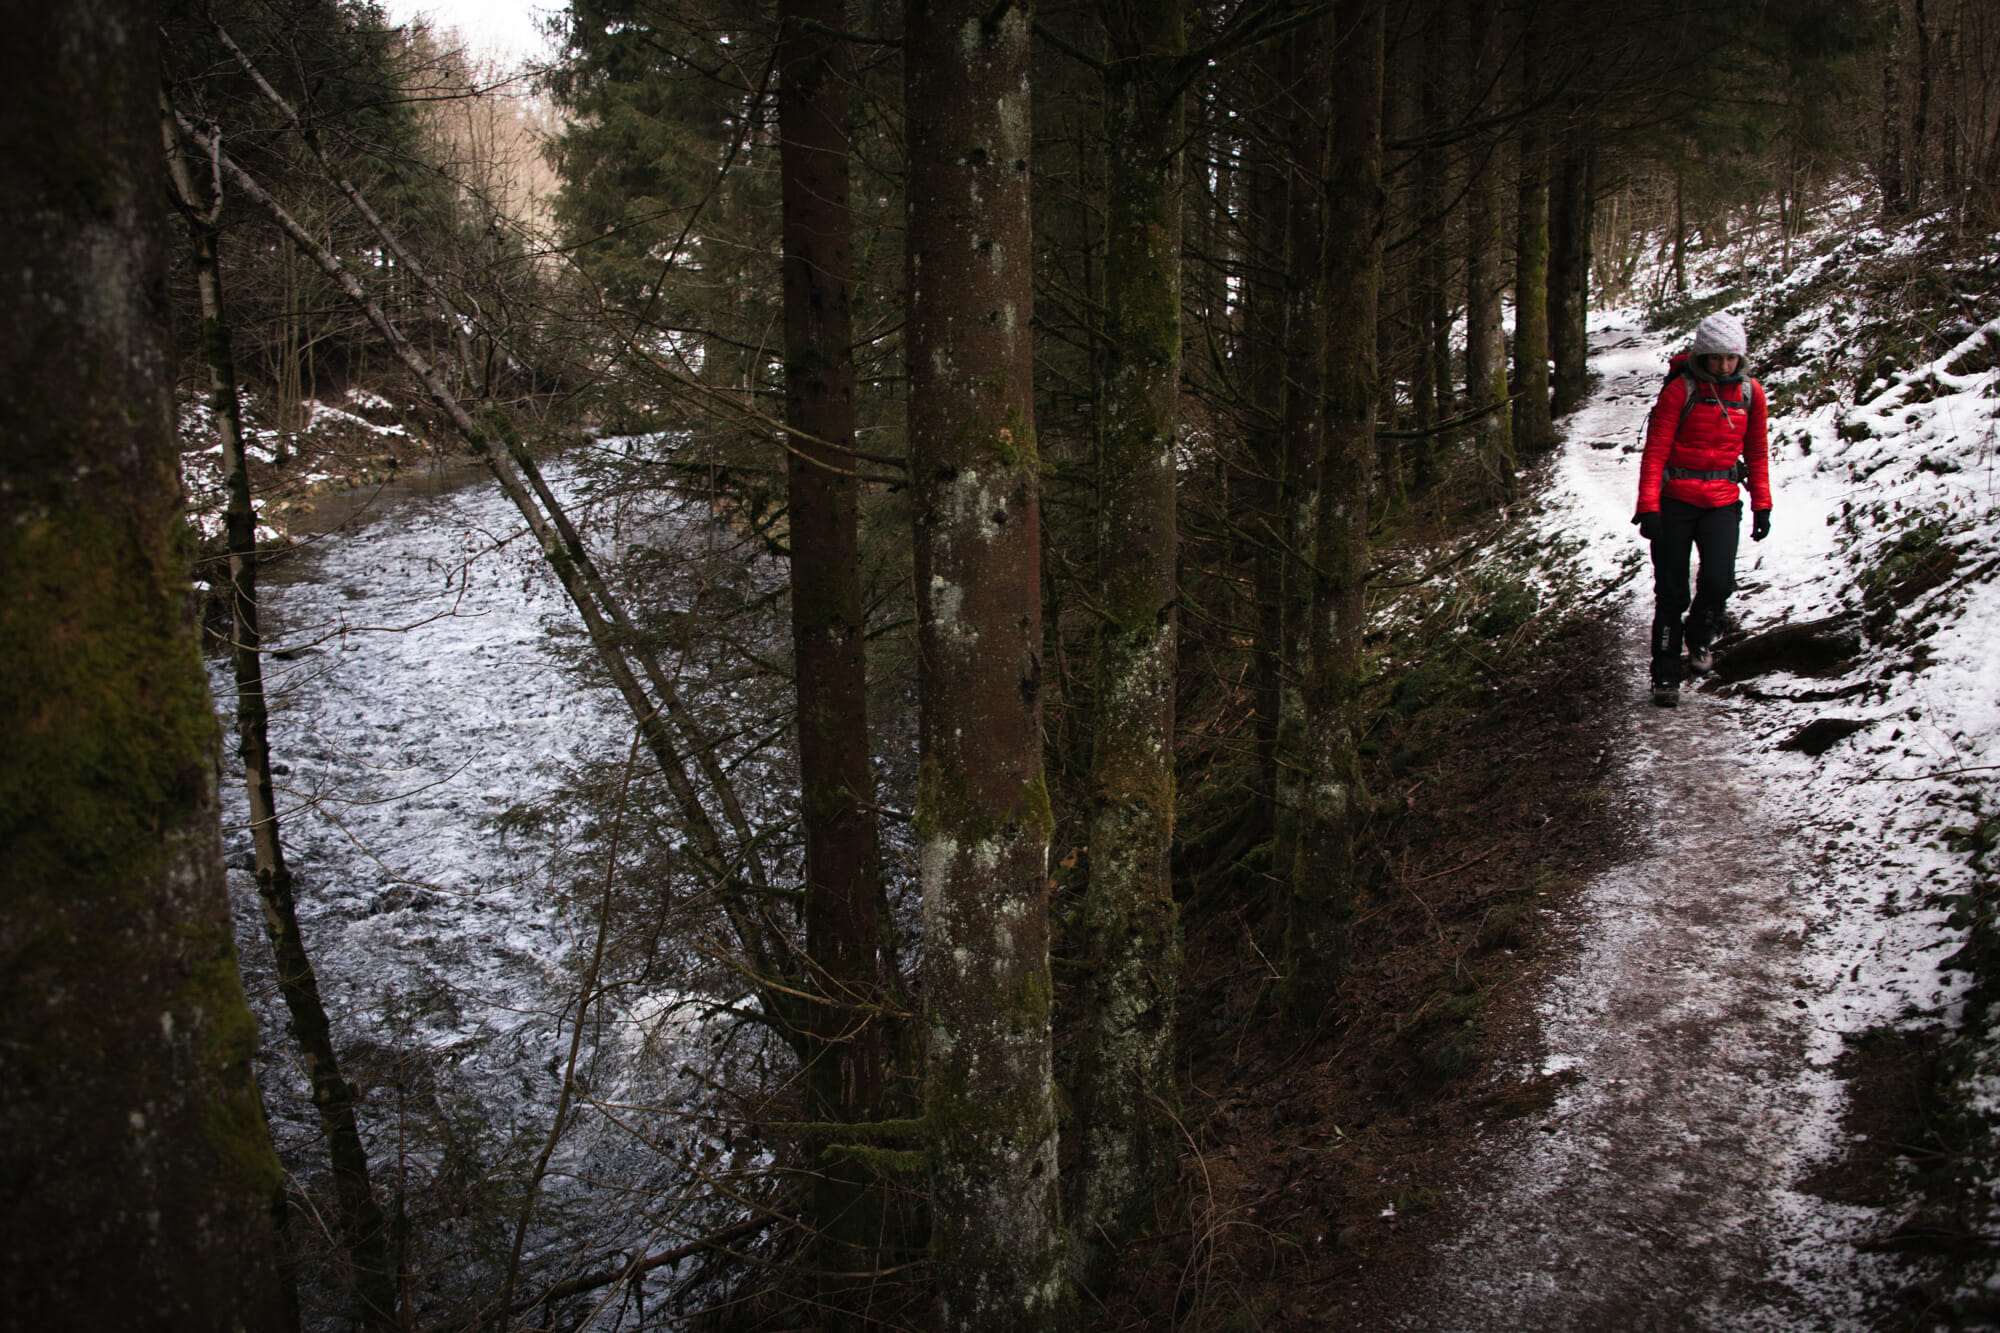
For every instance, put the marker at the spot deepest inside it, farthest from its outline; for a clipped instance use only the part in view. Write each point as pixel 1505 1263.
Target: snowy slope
pixel 1783 903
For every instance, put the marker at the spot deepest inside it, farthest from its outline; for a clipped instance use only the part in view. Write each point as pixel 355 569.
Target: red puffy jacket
pixel 1710 436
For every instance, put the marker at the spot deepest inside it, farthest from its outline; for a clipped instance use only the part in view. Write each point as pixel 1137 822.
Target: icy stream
pixel 413 700
pixel 417 702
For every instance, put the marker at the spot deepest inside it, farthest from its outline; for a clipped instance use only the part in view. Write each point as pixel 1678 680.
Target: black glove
pixel 1760 525
pixel 1649 525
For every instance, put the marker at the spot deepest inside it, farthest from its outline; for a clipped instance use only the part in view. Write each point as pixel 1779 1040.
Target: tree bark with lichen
pixel 1320 926
pixel 137 1179
pixel 1131 945
pixel 1485 283
pixel 982 819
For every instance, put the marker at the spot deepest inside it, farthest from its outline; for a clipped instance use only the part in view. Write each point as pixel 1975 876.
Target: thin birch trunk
pixel 363 1229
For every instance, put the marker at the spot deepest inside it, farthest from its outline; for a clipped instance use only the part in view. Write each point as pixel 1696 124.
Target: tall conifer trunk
pixel 1316 942
pixel 1485 335
pixel 1433 387
pixel 983 820
pixel 1125 1065
pixel 136 1175
pixel 845 1060
pixel 1263 383
pixel 1534 429
pixel 1305 99
pixel 1889 165
pixel 1570 215
pixel 1393 332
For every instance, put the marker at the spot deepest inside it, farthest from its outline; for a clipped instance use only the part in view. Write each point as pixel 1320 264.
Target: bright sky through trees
pixel 507 30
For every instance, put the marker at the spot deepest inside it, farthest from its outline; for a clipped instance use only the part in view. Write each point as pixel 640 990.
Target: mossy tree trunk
pixel 1534 428
pixel 1263 382
pixel 1485 333
pixel 846 1053
pixel 136 1177
pixel 1131 947
pixel 1571 207
pixel 983 820
pixel 1435 400
pixel 1322 901
pixel 1304 97
pixel 363 1229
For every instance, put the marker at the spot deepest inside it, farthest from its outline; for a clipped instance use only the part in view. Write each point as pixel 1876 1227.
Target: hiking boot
pixel 1701 659
pixel 1667 693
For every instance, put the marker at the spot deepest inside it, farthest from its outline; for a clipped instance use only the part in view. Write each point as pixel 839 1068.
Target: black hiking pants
pixel 1685 528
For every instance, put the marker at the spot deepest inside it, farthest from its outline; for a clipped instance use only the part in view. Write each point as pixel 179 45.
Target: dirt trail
pixel 1662 1190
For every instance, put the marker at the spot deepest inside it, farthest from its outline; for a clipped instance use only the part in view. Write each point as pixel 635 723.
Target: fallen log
pixel 1807 648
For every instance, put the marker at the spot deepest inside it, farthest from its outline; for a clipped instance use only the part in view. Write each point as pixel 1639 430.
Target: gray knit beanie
pixel 1721 335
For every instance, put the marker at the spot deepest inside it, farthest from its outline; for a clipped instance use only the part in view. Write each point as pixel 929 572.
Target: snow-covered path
pixel 1705 990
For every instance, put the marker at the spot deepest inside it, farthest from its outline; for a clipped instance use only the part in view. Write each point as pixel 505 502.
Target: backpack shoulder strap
pixel 1687 403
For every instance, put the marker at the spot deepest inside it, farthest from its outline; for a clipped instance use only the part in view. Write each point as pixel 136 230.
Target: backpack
pixel 1740 472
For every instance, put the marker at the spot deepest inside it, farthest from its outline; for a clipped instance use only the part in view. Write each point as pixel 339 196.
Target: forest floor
pixel 1641 1028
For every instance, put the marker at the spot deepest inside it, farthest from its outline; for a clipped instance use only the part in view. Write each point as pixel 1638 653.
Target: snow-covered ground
pixel 1780 903
pixel 1868 809
pixel 206 487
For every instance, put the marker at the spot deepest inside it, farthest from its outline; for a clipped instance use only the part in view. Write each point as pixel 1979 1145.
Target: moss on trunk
pixel 1125 1064
pixel 136 1175
pixel 982 806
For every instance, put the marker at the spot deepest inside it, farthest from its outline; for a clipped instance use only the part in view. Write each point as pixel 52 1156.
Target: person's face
pixel 1723 365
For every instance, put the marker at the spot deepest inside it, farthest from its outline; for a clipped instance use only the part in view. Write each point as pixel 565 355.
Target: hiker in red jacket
pixel 1705 437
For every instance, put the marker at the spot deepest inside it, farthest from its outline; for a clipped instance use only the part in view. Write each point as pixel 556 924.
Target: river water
pixel 413 700
pixel 417 698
